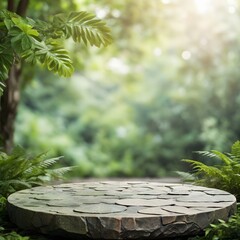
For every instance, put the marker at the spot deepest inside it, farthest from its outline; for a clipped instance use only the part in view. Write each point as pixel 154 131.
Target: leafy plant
pixel 225 175
pixel 223 230
pixel 19 170
pixel 11 236
pixel 42 42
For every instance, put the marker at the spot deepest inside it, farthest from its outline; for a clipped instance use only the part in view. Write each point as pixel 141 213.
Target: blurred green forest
pixel 168 85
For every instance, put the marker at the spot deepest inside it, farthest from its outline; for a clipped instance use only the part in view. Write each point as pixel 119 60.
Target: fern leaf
pixel 83 26
pixel 235 151
pixel 49 162
pixel 16 184
pixel 207 154
pixel 18 151
pixel 59 172
pixel 222 157
pixel 54 57
pixel 187 177
pixel 204 169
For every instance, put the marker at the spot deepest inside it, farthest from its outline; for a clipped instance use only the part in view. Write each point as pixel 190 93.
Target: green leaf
pixel 222 156
pixel 83 26
pixel 26 43
pixel 48 162
pixel 54 57
pixel 187 177
pixel 206 154
pixel 24 26
pixel 235 151
pixel 33 41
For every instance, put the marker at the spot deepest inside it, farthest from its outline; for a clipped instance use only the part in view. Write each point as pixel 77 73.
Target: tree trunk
pixel 11 94
pixel 8 108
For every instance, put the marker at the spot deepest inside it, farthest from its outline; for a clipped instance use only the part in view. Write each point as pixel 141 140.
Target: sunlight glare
pixel 116 13
pixel 186 55
pixel 202 6
pixel 232 6
pixel 117 65
pixel 102 12
pixel 231 9
pixel 157 52
pixel 165 1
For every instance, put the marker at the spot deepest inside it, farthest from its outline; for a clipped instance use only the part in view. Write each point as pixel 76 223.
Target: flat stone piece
pixel 181 210
pixel 155 211
pixel 179 192
pixel 47 197
pixel 216 192
pixel 203 197
pixel 203 204
pixel 119 209
pixel 145 202
pixel 99 208
pixel 62 204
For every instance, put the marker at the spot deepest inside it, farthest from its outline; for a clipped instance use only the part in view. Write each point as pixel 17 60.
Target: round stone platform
pixel 119 209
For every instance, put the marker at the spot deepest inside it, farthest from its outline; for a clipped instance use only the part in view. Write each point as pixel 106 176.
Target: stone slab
pixel 119 210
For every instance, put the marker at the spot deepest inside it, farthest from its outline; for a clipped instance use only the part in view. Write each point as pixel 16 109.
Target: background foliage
pixel 169 85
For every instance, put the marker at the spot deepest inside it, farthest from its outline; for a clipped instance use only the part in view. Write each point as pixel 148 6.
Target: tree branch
pixel 10 5
pixel 22 7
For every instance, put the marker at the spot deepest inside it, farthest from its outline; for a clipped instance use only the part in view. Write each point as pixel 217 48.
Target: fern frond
pixel 54 57
pixel 225 176
pixel 206 154
pixel 59 172
pixel 11 186
pixel 17 152
pixel 18 184
pixel 49 162
pixel 201 168
pixel 235 150
pixel 187 177
pixel 227 160
pixel 18 170
pixel 83 26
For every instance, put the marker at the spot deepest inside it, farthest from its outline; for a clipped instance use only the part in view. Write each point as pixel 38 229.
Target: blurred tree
pixel 167 87
pixel 35 41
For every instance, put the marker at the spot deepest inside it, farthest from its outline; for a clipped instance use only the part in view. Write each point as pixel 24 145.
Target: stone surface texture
pixel 119 209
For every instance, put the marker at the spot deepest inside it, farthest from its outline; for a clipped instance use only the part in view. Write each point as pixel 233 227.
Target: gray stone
pixel 203 204
pixel 99 208
pixel 144 202
pixel 181 210
pixel 179 192
pixel 155 211
pixel 216 192
pixel 119 210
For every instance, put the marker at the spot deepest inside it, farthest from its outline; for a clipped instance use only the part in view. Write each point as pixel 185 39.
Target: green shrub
pixel 225 175
pixel 20 170
pixel 223 230
pixel 11 236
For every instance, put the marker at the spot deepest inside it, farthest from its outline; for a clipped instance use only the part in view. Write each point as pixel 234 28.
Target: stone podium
pixel 119 209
